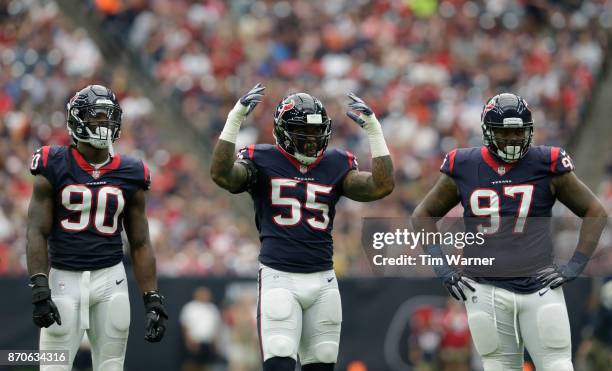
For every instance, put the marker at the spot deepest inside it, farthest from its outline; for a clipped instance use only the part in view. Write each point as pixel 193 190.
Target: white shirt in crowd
pixel 202 321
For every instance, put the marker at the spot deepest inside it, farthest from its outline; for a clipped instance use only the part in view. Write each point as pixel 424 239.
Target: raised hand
pixel 357 104
pixel 252 98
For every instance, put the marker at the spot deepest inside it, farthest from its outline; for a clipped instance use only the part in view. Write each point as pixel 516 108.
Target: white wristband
pixel 378 146
pixel 235 118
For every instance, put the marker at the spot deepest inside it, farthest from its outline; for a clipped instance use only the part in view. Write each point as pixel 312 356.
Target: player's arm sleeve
pixel 39 163
pixel 560 161
pixel 146 176
pixel 352 161
pixel 448 164
pixel 246 158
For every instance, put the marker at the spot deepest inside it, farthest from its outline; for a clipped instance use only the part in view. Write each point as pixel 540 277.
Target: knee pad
pixel 484 333
pixel 278 304
pixel 279 364
pixel 55 368
pixel 318 367
pixel 559 365
pixel 68 312
pixel 118 316
pixel 116 329
pixel 279 346
pixel 111 365
pixel 332 309
pixel 326 352
pixel 553 326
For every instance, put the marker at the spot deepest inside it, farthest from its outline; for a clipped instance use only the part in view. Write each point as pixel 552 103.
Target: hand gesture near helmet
pixel 367 120
pixel 241 110
pixel 250 99
pixel 225 170
pixel 243 107
pixel 361 185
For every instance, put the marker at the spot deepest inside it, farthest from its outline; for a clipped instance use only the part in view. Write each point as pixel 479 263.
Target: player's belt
pixel 84 289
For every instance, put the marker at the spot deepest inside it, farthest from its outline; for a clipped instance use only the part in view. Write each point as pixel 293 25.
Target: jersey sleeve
pixel 246 157
pixel 352 161
pixel 146 176
pixel 560 161
pixel 39 164
pixel 448 164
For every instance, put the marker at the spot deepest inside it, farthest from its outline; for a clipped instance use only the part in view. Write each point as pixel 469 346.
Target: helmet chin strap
pixel 101 143
pixel 109 141
pixel 510 153
pixel 304 160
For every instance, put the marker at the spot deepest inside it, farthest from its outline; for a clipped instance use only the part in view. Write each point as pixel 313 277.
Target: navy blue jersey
pixel 295 206
pixel 510 204
pixel 88 205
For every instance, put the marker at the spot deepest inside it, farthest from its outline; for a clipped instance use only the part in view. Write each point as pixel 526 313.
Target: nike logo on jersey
pixel 330 279
pixel 118 282
pixel 542 292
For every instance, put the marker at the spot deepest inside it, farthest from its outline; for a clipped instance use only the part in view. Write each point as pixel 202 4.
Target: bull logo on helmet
pixel 286 107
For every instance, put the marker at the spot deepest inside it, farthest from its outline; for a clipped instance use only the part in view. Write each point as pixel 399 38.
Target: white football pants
pixel 299 313
pixel 93 301
pixel 502 323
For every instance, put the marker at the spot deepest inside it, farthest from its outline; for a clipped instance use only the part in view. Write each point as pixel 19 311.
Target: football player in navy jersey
pixel 507 189
pixel 83 197
pixel 295 185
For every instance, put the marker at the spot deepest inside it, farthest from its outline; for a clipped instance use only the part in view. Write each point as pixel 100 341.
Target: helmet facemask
pixel 99 125
pixel 509 142
pixel 308 141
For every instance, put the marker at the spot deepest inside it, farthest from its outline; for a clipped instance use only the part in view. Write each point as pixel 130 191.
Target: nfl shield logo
pixel 501 170
pixel 95 174
pixel 303 169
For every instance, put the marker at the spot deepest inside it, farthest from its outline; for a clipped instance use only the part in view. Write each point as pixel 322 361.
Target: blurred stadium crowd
pixel 425 67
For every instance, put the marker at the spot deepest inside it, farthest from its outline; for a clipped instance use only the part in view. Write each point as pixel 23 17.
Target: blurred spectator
pixel 456 343
pixel 243 350
pixel 201 326
pixel 595 352
pixel 424 342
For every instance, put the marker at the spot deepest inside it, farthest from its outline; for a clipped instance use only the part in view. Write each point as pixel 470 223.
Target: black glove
pixel 452 279
pixel 556 276
pixel 45 312
pixel 357 104
pixel 156 316
pixel 252 97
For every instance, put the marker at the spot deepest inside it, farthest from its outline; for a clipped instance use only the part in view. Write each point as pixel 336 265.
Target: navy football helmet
pixel 94 116
pixel 302 127
pixel 507 126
